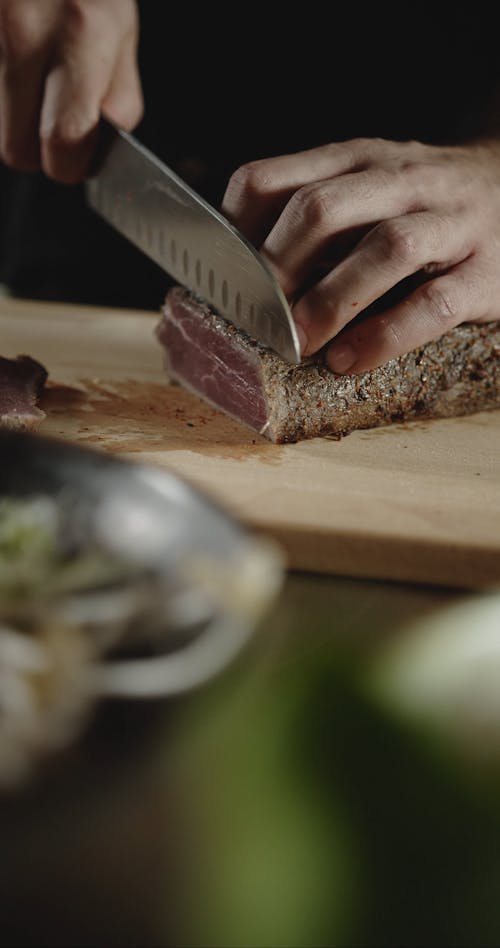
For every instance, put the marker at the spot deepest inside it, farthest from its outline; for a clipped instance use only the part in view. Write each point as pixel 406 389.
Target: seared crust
pixel 457 374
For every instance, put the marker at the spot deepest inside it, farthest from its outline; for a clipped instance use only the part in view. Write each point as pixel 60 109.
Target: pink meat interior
pixel 212 362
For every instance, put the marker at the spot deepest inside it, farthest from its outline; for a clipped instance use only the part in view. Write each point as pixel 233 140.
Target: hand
pixel 344 224
pixel 62 64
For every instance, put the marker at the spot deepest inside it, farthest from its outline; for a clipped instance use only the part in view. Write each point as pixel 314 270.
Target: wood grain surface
pixel 417 502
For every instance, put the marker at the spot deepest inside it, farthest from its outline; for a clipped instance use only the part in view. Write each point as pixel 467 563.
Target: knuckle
pixel 89 18
pixel 312 205
pixel 369 151
pixel 439 303
pixel 411 149
pixel 363 144
pixel 397 241
pixel 421 174
pixel 252 180
pixel 413 168
pixel 359 151
pixel 77 13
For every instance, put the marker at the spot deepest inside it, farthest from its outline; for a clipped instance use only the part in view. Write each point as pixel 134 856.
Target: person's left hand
pixel 343 224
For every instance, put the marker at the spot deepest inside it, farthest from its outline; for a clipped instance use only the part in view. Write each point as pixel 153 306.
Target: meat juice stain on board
pixel 129 416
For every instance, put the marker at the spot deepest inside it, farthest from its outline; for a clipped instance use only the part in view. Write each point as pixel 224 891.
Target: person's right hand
pixel 63 63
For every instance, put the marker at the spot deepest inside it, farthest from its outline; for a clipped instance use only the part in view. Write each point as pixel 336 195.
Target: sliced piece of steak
pixel 21 384
pixel 455 375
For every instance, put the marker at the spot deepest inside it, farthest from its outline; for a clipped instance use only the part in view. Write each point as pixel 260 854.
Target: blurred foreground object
pixel 116 580
pixel 443 677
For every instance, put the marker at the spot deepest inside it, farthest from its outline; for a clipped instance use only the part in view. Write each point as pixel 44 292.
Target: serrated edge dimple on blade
pixel 270 324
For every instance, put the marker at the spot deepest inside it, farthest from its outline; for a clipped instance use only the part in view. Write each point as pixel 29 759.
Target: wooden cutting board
pixel 417 501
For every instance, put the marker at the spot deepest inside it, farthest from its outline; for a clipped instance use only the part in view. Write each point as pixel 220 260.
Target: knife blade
pixel 156 210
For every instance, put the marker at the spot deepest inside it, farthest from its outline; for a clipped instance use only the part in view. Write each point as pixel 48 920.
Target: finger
pixel 74 91
pixel 258 191
pixel 436 307
pixel 124 102
pixel 25 49
pixel 390 252
pixel 318 213
pixel 21 90
pixel 68 126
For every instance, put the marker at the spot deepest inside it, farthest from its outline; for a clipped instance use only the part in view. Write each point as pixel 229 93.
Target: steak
pixel 457 374
pixel 21 384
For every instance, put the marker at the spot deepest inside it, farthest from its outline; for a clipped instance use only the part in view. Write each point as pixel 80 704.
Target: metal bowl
pixel 177 586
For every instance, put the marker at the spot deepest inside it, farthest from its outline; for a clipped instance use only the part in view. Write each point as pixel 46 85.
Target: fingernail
pixel 302 337
pixel 341 357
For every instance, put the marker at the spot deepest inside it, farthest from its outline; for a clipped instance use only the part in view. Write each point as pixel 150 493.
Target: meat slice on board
pixel 21 384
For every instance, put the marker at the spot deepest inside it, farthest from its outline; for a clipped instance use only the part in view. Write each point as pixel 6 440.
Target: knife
pixel 149 204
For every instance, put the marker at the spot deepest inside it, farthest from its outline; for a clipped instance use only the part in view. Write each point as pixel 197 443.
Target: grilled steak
pixel 21 384
pixel 455 375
